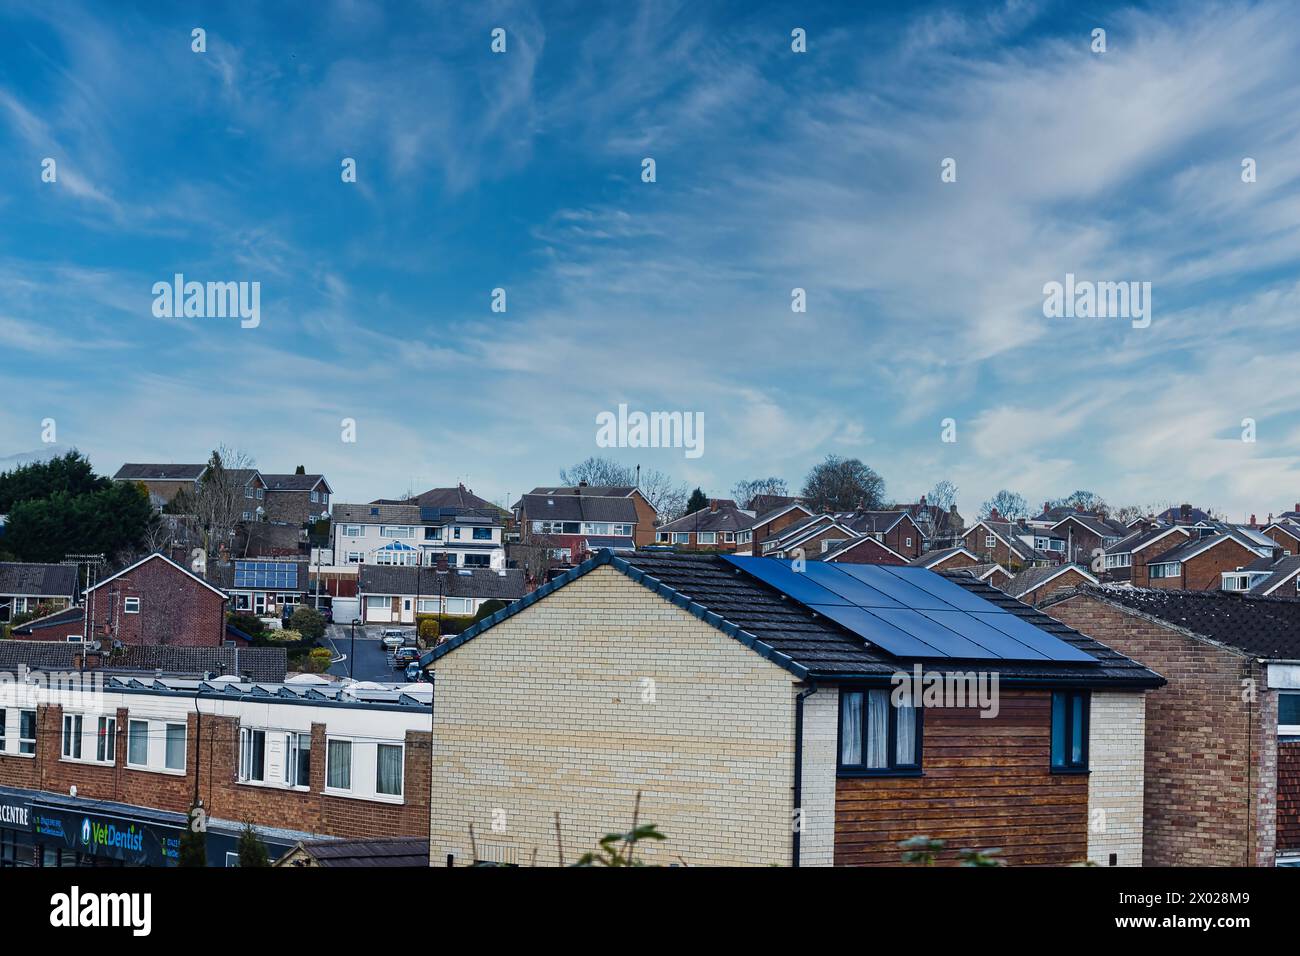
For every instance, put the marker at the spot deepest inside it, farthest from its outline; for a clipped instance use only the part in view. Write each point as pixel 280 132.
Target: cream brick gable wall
pixel 602 689
pixel 1116 757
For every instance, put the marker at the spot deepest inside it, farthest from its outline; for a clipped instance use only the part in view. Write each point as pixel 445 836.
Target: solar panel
pixel 876 630
pixel 908 595
pixel 942 588
pixel 847 586
pixel 1052 647
pixel 911 612
pixel 791 583
pixel 947 642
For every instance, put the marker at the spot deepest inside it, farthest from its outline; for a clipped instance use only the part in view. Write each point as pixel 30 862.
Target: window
pixel 137 743
pixel 297 764
pixel 338 765
pixel 428 606
pixel 455 531
pixel 729 537
pixel 681 537
pixel 174 759
pixel 388 770
pixel 315 497
pixel 1170 569
pixel 27 732
pixel 876 736
pixel 482 534
pixel 478 560
pixel 707 537
pixel 72 736
pixel 907 542
pixel 435 534
pixel 106 740
pixel 662 537
pixel 990 540
pixel 73 639
pixel 1070 730
pixel 460 605
pixel 252 755
pixel 353 531
pixel 1288 709
pixel 396 531
pixel 131 605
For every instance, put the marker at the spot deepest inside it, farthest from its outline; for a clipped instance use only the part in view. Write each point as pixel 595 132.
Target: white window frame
pixel 73 727
pixel 401 774
pixel 706 537
pixel 246 736
pixel 351 763
pixel 106 739
pixel 130 605
pixel 131 738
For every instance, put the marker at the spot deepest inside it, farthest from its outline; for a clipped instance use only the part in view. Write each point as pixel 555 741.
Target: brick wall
pixel 1288 795
pixel 1203 572
pixel 1116 757
pixel 1064 580
pixel 1210 754
pixel 601 690
pixel 867 551
pixel 174 608
pixel 215 751
pixel 290 507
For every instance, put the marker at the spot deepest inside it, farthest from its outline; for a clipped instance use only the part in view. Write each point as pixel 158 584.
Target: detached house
pixel 404 535
pixel 947 559
pixel 1087 536
pixel 735 694
pixel 1198 565
pixel 163 482
pixel 998 541
pixel 26 587
pixel 770 522
pixel 1223 735
pixel 296 499
pixel 570 527
pixel 647 517
pixel 1286 534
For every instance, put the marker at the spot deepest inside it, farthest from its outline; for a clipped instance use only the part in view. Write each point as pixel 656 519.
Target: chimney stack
pixel 1252 521
pixel 713 504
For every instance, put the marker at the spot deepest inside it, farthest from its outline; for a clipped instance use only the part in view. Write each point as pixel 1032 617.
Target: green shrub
pixel 248 623
pixel 319 660
pixel 284 636
pixel 252 851
pixel 488 608
pixel 455 623
pixel 309 622
pixel 427 628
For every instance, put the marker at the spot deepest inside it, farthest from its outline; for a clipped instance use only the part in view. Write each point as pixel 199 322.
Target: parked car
pixel 393 638
pixel 406 654
pixel 414 672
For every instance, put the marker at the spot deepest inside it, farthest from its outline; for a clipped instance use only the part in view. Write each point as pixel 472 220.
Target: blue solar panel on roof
pixel 999 643
pixel 906 594
pixel 847 586
pixel 942 588
pixel 947 642
pixel 920 623
pixel 1051 646
pixel 792 583
pixel 877 630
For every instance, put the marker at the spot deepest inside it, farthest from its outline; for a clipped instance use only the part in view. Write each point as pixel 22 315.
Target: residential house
pixel 769 522
pixel 1184 514
pixel 941 528
pixel 26 587
pixel 404 535
pixel 819 533
pixel 304 759
pixel 1051 515
pixel 1086 537
pixel 647 516
pixel 263 588
pixel 154 601
pixel 863 549
pixel 1002 542
pixel 1286 533
pixel 1198 565
pixel 1265 577
pixel 1126 560
pixel 296 500
pixel 759 695
pixel 163 482
pixel 571 526
pixel 946 559
pixel 348 854
pixel 1223 735
pixel 994 575
pixel 1035 585
pixel 714 527
pixel 394 595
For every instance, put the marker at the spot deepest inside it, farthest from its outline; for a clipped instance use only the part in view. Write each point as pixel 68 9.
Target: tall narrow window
pixel 388 772
pixel 106 740
pixel 338 765
pixel 252 755
pixel 137 743
pixel 174 758
pixel 876 736
pixel 1070 730
pixel 72 736
pixel 27 732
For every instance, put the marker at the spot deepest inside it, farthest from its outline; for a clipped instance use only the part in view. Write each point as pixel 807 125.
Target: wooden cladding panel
pixel 987 783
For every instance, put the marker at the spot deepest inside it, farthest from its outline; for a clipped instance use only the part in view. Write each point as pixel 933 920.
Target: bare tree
pixel 942 495
pixel 598 471
pixel 667 495
pixel 220 501
pixel 747 490
pixel 1008 504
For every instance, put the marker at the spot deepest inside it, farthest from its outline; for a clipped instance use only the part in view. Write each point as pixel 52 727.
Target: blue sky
pixel 774 170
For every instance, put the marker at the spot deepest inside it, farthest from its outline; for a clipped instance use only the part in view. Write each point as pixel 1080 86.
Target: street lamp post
pixel 352 655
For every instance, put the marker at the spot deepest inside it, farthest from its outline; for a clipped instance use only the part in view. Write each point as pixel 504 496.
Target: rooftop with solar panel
pixel 839 621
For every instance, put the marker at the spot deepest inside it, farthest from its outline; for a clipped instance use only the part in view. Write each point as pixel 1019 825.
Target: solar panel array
pixel 911 612
pixel 267 575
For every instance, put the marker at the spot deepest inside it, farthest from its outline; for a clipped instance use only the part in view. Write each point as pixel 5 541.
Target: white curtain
pixel 389 779
pixel 851 729
pixel 906 748
pixel 877 729
pixel 339 756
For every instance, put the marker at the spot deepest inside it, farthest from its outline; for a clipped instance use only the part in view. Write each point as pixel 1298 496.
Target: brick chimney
pixel 442 562
pixel 994 516
pixel 713 504
pixel 1185 512
pixel 1252 522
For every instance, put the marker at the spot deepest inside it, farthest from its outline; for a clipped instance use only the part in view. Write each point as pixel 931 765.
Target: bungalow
pixel 1223 735
pixel 394 595
pixel 1035 585
pixel 264 588
pixel 734 695
pixel 26 587
pixel 1265 577
pixel 714 527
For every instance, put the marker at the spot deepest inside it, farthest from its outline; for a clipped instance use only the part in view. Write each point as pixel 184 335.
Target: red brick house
pixel 947 559
pixel 1126 560
pixel 771 523
pixel 715 527
pixel 1198 565
pixel 1223 736
pixel 1286 534
pixel 862 550
pixel 154 601
pixel 1035 585
pixel 646 518
pixel 1087 535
